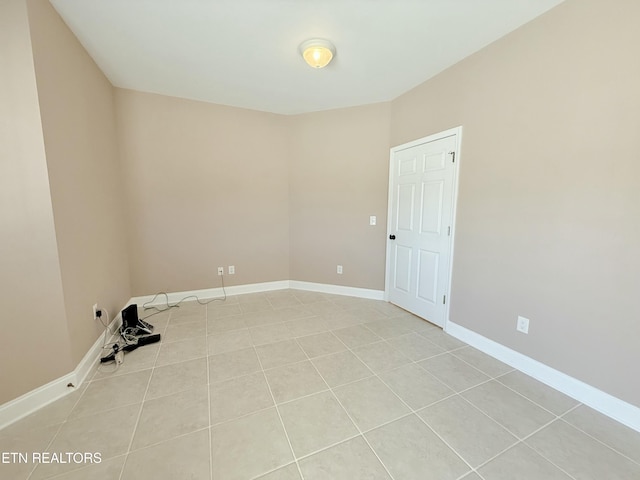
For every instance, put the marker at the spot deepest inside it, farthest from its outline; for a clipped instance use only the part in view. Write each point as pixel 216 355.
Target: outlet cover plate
pixel 523 324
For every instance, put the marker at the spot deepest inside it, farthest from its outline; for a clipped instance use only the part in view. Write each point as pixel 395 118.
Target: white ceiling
pixel 244 53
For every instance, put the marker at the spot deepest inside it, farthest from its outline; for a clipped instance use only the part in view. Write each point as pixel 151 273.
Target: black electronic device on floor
pixel 128 347
pixel 134 333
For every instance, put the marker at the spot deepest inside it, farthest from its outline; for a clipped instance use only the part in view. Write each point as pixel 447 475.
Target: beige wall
pixel 339 177
pixel 78 122
pixel 34 345
pixel 207 186
pixel 277 197
pixel 549 204
pixel 547 219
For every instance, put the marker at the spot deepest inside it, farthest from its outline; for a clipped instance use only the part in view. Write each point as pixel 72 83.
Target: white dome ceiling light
pixel 317 52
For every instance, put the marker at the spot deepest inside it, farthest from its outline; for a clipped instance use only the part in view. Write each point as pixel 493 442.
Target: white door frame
pixel 457 131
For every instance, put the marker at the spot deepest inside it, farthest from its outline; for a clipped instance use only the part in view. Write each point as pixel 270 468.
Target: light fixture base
pixel 317 52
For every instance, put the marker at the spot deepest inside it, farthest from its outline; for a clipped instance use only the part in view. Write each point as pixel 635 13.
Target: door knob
pixel 392 237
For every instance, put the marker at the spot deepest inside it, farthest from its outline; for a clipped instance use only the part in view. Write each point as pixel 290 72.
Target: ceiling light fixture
pixel 317 52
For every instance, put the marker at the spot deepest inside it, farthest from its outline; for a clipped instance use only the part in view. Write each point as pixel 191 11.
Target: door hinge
pixel 444 299
pixel 449 231
pixel 453 157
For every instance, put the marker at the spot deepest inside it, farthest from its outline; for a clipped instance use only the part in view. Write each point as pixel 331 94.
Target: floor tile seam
pixel 183 390
pixel 297 362
pixel 214 320
pixel 75 404
pixel 353 422
pixel 522 438
pixel 222 315
pixel 451 352
pixel 472 471
pixel 155 444
pixel 46 449
pixel 524 441
pixel 273 470
pixel 517 438
pixel 84 467
pixel 181 361
pixel 411 333
pixel 167 342
pixel 411 359
pixel 349 349
pixel 214 332
pixel 114 374
pixel 501 452
pixel 275 405
pixel 102 412
pixel 135 428
pixel 572 409
pixel 415 412
pixel 324 354
pixel 209 392
pixel 333 444
pixel 464 390
pixel 244 415
pixel 415 362
pixel 532 400
pixel 443 440
pixel 191 317
pixel 377 374
pixel 602 442
pixel 345 440
pixel 362 433
pixel 478 368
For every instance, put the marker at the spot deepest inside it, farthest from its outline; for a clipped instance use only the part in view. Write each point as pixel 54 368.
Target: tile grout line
pixel 284 429
pixel 135 428
pixel 206 345
pixel 557 417
pixel 611 447
pixel 344 409
pixel 592 437
pixel 49 444
pixel 374 374
pixel 412 410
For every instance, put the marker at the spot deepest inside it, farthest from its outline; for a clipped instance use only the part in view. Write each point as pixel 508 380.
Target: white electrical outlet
pixel 220 270
pixel 372 220
pixel 95 311
pixel 523 324
pixel 232 270
pixel 339 269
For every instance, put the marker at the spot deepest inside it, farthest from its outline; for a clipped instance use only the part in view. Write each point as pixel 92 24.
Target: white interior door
pixel 422 177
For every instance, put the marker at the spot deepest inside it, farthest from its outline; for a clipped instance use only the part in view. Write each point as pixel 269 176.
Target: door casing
pixel 457 131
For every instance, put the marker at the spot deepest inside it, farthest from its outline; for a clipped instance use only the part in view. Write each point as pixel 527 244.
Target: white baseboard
pixel 90 358
pixel 604 403
pixel 209 293
pixel 337 290
pixel 42 396
pixel 35 399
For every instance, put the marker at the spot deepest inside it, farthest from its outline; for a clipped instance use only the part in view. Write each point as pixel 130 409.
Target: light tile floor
pixel 292 385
